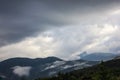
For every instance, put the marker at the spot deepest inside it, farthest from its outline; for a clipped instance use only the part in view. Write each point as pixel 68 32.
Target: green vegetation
pixel 109 70
pixel 0 78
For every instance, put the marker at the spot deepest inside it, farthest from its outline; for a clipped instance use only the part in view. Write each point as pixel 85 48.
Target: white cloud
pixel 21 71
pixel 67 42
pixel 115 12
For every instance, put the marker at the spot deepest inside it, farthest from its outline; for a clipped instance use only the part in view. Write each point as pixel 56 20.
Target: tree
pixel 0 78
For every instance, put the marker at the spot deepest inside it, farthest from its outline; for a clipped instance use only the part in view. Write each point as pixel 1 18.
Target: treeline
pixel 104 71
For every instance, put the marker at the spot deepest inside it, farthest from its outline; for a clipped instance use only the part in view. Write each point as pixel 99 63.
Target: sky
pixel 61 28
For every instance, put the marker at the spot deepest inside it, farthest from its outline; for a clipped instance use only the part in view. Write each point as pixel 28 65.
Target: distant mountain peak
pixel 97 56
pixel 83 54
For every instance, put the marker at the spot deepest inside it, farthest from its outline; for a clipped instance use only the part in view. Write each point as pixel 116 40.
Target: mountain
pixel 117 57
pixel 109 70
pixel 19 68
pixel 98 56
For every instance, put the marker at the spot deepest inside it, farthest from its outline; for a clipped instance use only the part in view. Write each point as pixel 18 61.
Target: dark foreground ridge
pixel 109 70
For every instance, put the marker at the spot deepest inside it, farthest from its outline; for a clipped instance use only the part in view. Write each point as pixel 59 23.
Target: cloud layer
pixel 24 18
pixel 40 28
pixel 67 42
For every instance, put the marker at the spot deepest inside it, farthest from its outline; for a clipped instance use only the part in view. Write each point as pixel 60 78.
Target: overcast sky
pixel 62 28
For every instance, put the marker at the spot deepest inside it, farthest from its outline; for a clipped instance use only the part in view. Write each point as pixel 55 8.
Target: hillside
pixel 109 70
pixel 18 68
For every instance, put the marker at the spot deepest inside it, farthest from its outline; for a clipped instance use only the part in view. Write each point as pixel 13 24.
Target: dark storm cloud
pixel 22 18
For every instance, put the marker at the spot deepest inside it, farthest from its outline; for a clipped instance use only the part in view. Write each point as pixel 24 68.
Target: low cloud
pixel 21 71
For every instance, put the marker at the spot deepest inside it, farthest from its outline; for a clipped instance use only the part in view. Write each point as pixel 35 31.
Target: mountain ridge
pixel 97 56
pixel 39 67
pixel 108 70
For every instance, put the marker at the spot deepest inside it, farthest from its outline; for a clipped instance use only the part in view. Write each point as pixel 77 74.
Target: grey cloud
pixel 23 18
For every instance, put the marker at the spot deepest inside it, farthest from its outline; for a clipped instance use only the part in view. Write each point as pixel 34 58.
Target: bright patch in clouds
pixel 108 29
pixel 115 12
